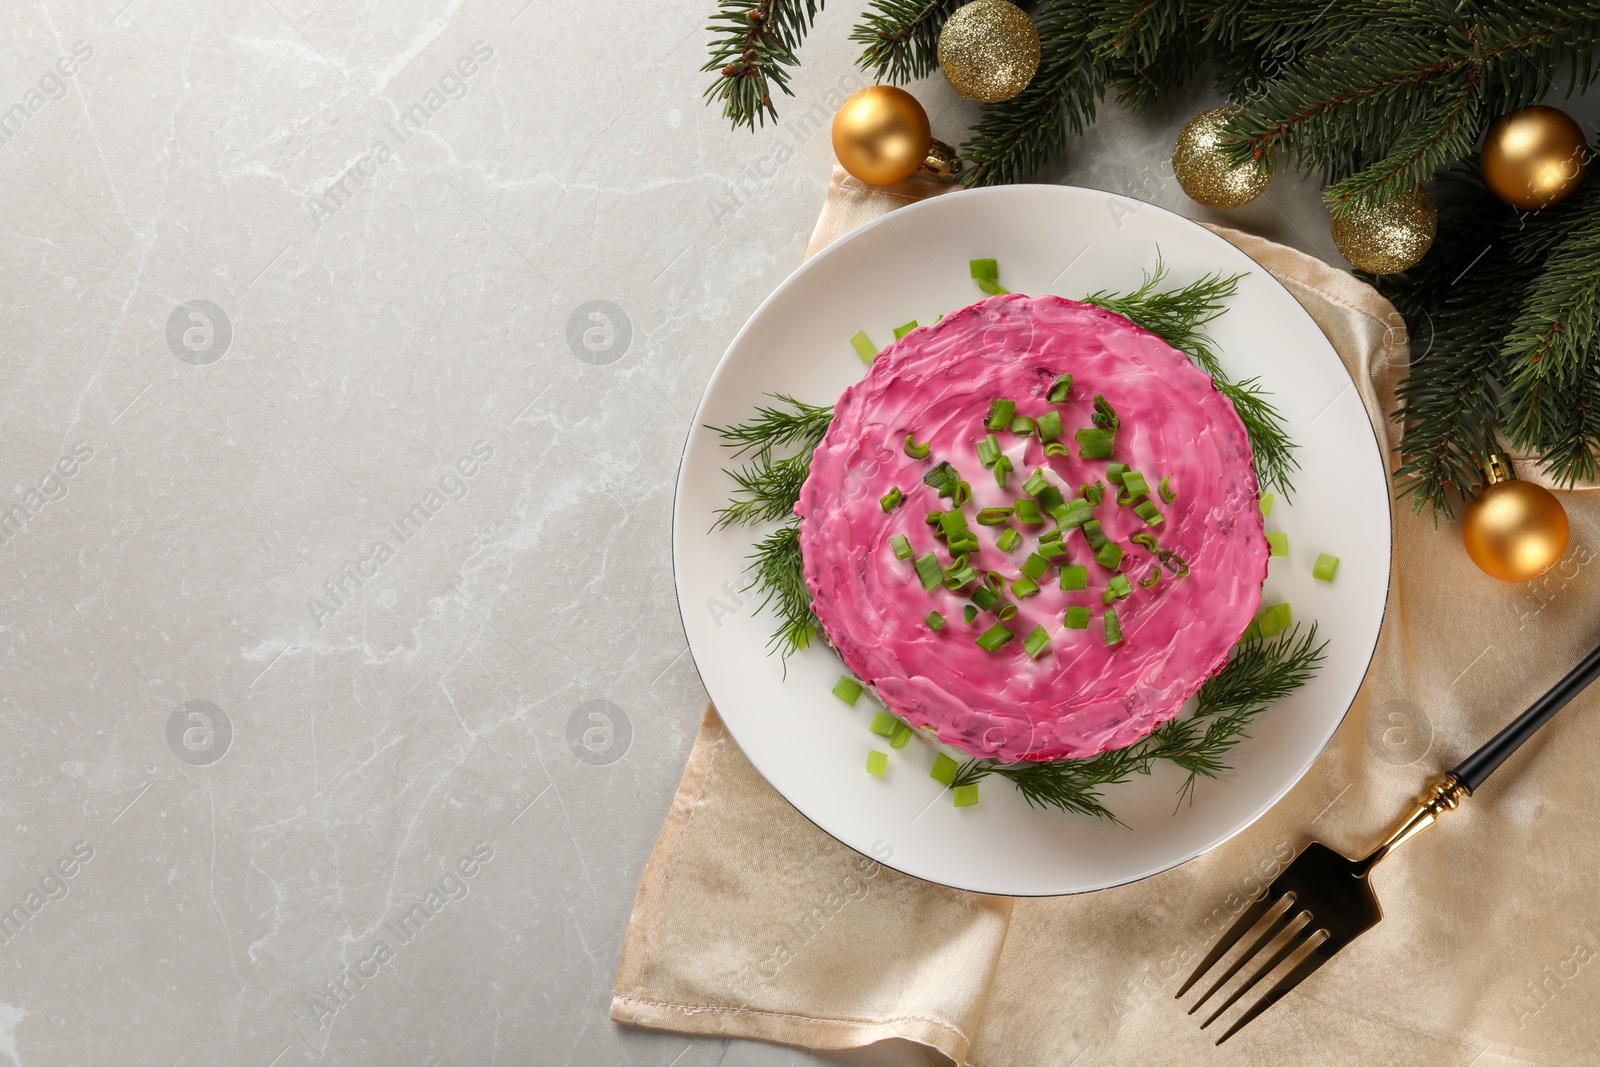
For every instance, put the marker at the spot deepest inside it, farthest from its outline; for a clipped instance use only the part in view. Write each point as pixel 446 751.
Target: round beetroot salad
pixel 1072 648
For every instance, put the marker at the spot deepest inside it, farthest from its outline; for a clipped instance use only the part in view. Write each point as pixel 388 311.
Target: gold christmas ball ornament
pixel 1514 530
pixel 1203 172
pixel 1388 239
pixel 881 136
pixel 989 50
pixel 1534 157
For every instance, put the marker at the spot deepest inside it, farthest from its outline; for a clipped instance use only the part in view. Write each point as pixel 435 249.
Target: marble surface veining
pixel 349 351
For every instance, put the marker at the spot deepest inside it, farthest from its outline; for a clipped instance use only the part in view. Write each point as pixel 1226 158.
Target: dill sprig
pixel 1259 673
pixel 1179 317
pixel 767 490
pixel 777 572
pixel 793 422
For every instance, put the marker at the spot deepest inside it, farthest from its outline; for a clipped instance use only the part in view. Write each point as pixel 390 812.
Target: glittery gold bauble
pixel 1515 530
pixel 881 135
pixel 1203 172
pixel 1388 239
pixel 1534 157
pixel 989 50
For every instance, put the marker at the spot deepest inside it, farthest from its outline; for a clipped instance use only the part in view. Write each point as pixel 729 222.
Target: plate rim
pixel 966 194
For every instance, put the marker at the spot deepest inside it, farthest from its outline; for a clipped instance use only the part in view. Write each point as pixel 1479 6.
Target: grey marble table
pixel 349 352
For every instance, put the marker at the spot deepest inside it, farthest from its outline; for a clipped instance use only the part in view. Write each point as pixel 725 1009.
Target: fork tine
pixel 1296 975
pixel 1273 929
pixel 1230 937
pixel 1294 943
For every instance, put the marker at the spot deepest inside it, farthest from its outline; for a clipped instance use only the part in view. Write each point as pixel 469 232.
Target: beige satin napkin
pixel 751 922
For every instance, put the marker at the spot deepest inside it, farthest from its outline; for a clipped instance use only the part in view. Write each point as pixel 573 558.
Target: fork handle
pixel 1476 768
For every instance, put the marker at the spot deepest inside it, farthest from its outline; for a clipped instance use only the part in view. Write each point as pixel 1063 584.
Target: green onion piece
pixel 1027 511
pixel 1036 482
pixel 933 520
pixel 1147 510
pixel 1094 444
pixel 1058 448
pixel 1167 495
pixel 1073 513
pixel 1035 643
pixel 901 331
pixel 965 541
pixel 1050 535
pixel 1059 389
pixel 1149 580
pixel 1266 504
pixel 985 598
pixel 1096 536
pixel 1022 425
pixel 970 614
pixel 1103 413
pixel 864 346
pixel 883 724
pixel 993 516
pixel 988 449
pixel 1133 484
pixel 1008 540
pixel 1115 471
pixel 916 451
pixel 1092 493
pixel 930 572
pixel 1113 627
pixel 1049 499
pixel 891 500
pixel 935 621
pixel 1052 550
pixel 995 580
pixel 902 734
pixel 1006 613
pixel 958 578
pixel 1035 566
pixel 1325 566
pixel 1279 542
pixel 1148 540
pixel 1000 412
pixel 965 796
pixel 1116 589
pixel 1271 621
pixel 847 689
pixel 1077 617
pixel 995 636
pixel 1108 555
pixel 944 769
pixel 1024 587
pixel 1048 425
pixel 877 763
pixel 902 546
pixel 953 523
pixel 1173 562
pixel 1075 577
pixel 1002 467
pixel 986 272
pixel 963 495
pixel 943 477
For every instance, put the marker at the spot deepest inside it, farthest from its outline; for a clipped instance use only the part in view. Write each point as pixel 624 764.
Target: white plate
pixel 913 264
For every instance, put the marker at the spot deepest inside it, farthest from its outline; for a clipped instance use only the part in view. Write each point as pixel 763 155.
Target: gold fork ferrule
pixel 1444 795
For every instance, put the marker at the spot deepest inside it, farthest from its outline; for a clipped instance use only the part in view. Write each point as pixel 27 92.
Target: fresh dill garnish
pixel 776 571
pixel 793 422
pixel 767 490
pixel 1258 673
pixel 768 487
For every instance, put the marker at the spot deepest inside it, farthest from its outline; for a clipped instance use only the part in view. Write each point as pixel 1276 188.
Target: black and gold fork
pixel 1324 900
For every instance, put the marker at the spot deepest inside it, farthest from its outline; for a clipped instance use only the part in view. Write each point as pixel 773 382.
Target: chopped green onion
pixel 993 516
pixel 1049 498
pixel 1052 550
pixel 985 598
pixel 1325 566
pixel 943 477
pixel 1096 536
pixel 958 578
pixel 986 272
pixel 952 523
pixel 930 572
pixel 864 346
pixel 1270 621
pixel 1113 627
pixel 1073 513
pixel 1266 504
pixel 914 450
pixel 944 769
pixel 1077 617
pixel 963 495
pixel 1050 535
pixel 1147 539
pixel 965 796
pixel 1048 425
pixel 1008 540
pixel 877 763
pixel 935 621
pixel 1092 493
pixel 1108 555
pixel 970 614
pixel 1075 577
pixel 1116 589
pixel 891 500
pixel 1133 484
pixel 1036 482
pixel 1058 448
pixel 1022 425
pixel 965 541
pixel 1173 562
pixel 1279 541
pixel 902 734
pixel 1006 613
pixel 1035 566
pixel 995 580
pixel 1115 471
pixel 1149 580
pixel 883 724
pixel 1027 511
pixel 988 449
pixel 1000 412
pixel 1147 510
pixel 902 546
pixel 994 637
pixel 1036 642
pixel 1167 494
pixel 1002 467
pixel 901 331
pixel 1059 389
pixel 847 689
pixel 933 520
pixel 1094 444
pixel 1103 413
pixel 1024 587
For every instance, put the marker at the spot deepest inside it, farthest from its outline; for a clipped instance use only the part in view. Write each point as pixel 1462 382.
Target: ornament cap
pixel 1497 468
pixel 943 163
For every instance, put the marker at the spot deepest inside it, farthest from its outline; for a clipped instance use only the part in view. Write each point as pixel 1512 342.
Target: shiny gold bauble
pixel 1514 530
pixel 1203 172
pixel 989 50
pixel 1534 157
pixel 1388 239
pixel 881 135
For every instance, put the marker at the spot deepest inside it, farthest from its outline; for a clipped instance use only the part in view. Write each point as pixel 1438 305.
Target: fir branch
pixel 777 571
pixel 752 50
pixel 901 37
pixel 1155 45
